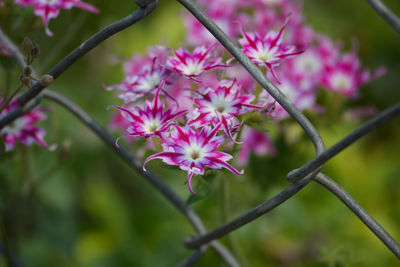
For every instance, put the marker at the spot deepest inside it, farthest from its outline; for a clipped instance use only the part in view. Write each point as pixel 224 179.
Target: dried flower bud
pixel 35 52
pixel 144 3
pixel 26 81
pixel 27 45
pixel 46 80
pixel 28 71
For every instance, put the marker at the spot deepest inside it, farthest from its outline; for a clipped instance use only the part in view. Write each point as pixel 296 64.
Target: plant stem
pixel 224 217
pixel 11 97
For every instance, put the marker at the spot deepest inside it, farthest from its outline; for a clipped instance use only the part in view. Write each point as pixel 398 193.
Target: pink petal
pixel 190 175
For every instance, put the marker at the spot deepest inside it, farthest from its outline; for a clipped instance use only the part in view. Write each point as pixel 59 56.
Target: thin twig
pixel 8 100
pixel 391 18
pixel 360 212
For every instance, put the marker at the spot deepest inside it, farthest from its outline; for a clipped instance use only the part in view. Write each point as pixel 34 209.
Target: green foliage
pixel 92 210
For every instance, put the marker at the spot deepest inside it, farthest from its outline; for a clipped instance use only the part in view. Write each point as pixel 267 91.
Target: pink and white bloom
pixel 221 13
pixel 300 90
pixel 193 149
pixel 139 62
pixel 192 65
pixel 221 105
pixel 136 85
pixel 269 51
pixel 254 141
pixel 346 76
pixel 48 9
pixel 23 128
pixel 118 122
pixel 153 120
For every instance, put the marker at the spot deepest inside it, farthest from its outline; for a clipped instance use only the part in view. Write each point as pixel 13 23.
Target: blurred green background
pixel 82 206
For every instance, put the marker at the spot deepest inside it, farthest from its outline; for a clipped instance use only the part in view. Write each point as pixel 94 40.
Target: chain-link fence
pixel 299 178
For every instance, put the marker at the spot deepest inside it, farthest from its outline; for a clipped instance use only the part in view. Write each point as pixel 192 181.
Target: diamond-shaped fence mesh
pixel 299 178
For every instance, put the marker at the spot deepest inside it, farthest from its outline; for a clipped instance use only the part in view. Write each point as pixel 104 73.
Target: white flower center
pixel 264 55
pixel 192 68
pixel 150 82
pixel 272 2
pixel 152 126
pixel 48 1
pixel 220 105
pixel 194 152
pixel 131 79
pixel 307 62
pixel 14 127
pixel 341 81
pixel 289 91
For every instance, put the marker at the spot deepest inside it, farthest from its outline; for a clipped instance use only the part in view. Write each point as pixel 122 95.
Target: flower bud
pixel 35 52
pixel 28 71
pixel 46 80
pixel 27 45
pixel 26 81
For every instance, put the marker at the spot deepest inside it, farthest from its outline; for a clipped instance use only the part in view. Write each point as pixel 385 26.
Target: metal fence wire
pixel 299 178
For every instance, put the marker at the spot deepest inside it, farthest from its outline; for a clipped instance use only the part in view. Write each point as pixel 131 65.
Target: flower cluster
pixel 184 88
pixel 48 9
pixel 23 128
pixel 195 102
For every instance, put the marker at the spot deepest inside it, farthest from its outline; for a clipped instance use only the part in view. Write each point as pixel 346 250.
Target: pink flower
pixel 358 113
pixel 192 150
pixel 47 9
pixel 23 129
pixel 138 62
pixel 269 51
pixel 256 142
pixel 243 78
pixel 192 65
pixel 153 120
pixel 4 50
pixel 139 84
pixel 118 121
pixel 300 90
pixel 309 65
pixel 221 13
pixel 221 105
pixel 345 76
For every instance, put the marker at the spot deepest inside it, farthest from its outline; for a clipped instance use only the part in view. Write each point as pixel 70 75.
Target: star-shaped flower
pixel 221 105
pixel 269 51
pixel 153 120
pixel 23 128
pixel 193 149
pixel 192 65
